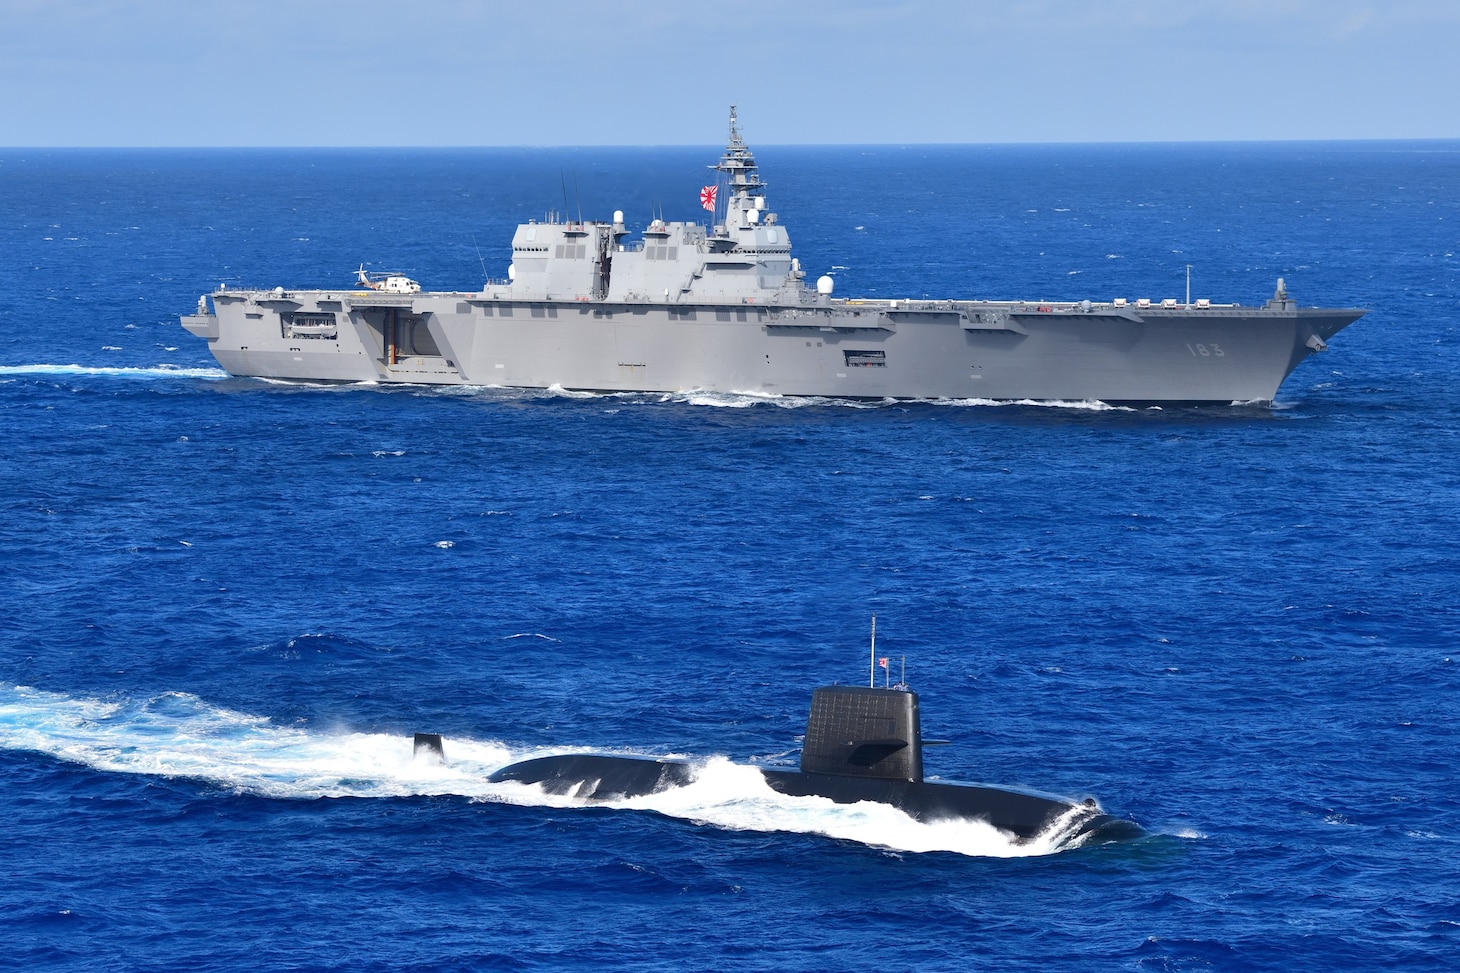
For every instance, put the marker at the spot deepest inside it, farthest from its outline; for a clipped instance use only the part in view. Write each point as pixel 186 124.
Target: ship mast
pixel 743 178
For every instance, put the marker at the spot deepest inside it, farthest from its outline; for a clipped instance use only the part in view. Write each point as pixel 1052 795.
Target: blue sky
pixel 656 72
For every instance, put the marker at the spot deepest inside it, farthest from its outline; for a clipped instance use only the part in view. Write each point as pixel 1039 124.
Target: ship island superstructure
pixel 726 308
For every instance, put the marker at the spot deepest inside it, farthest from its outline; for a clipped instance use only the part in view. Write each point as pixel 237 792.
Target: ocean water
pixel 229 602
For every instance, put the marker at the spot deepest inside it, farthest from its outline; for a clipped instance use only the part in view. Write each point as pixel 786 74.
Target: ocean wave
pixel 155 371
pixel 1086 405
pixel 745 400
pixel 694 397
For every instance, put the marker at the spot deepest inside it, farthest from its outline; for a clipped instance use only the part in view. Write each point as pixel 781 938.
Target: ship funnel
pixel 857 731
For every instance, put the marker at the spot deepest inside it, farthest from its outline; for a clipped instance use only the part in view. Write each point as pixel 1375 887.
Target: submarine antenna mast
pixel 872 662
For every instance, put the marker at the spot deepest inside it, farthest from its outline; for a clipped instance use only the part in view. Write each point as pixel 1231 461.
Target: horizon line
pixel 759 146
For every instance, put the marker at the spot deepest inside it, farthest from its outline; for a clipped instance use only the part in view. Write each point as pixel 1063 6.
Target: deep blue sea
pixel 228 602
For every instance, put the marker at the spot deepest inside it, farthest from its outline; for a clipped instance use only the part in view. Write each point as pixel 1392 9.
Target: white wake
pixel 179 735
pixel 157 371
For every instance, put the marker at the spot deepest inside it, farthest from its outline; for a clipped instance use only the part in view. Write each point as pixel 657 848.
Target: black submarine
pixel 862 744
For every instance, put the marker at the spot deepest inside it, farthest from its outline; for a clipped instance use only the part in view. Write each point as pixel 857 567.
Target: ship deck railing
pixel 803 297
pixel 1028 307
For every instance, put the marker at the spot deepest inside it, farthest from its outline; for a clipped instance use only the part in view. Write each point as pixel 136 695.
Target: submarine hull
pixel 597 778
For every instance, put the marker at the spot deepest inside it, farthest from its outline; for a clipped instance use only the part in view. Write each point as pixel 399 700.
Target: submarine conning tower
pixel 857 731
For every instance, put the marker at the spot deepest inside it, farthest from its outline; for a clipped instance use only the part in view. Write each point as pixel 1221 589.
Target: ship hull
pixel 842 349
pixel 597 778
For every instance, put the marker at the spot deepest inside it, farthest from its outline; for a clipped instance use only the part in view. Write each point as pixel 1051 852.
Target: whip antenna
pixel 872 662
pixel 479 256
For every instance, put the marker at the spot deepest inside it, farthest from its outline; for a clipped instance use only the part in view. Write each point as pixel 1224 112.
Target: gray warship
pixel 724 307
